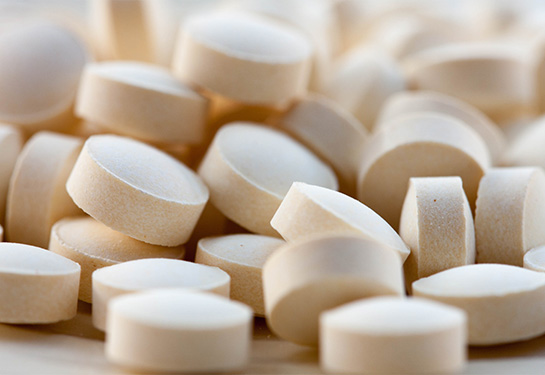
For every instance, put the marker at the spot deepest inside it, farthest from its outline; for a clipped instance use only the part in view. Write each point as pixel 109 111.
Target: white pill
pixel 154 273
pixel 250 168
pixel 534 259
pixel 11 142
pixel 38 286
pixel 178 331
pixel 503 303
pixel 305 278
pixel 137 190
pixel 387 335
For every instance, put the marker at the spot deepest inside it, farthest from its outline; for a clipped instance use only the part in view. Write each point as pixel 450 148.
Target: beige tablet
pixel 305 278
pixel 153 273
pixel 510 213
pixel 526 145
pixel 11 142
pixel 503 303
pixel 242 256
pixel 38 286
pixel 93 245
pixel 178 331
pixel 388 335
pixel 150 103
pixel 249 169
pixel 137 190
pixel 418 145
pixel 244 57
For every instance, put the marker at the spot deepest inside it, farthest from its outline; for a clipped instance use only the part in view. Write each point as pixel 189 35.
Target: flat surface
pixel 75 347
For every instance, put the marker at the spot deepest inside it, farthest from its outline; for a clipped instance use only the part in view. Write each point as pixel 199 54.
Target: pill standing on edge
pixel 11 143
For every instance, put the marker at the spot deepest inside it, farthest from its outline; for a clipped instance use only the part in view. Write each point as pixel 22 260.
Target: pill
pixel 305 278
pixel 143 101
pixel 534 259
pixel 509 215
pixel 309 210
pixel 178 331
pixel 137 190
pixel 11 142
pixel 437 224
pixel 154 273
pixel 325 128
pixel 429 101
pixel 526 146
pixel 418 145
pixel 503 303
pixel 388 335
pixel 242 256
pixel 243 57
pixel 249 169
pixel 38 286
pixel 93 245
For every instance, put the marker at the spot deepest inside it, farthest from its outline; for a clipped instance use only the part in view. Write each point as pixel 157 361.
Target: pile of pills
pixel 357 174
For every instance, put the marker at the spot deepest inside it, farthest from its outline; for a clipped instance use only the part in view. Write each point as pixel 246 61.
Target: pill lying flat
pixel 11 142
pixel 178 331
pixel 137 190
pixel 142 274
pixel 38 286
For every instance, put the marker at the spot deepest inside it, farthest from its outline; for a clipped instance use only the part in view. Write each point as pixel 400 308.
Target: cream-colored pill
pixel 418 145
pixel 309 210
pixel 244 57
pixel 37 195
pixel 143 101
pixel 509 215
pixel 305 278
pixel 503 303
pixel 137 190
pixel 38 286
pixel 93 245
pixel 11 142
pixel 387 335
pixel 429 101
pixel 250 168
pixel 242 256
pixel 437 224
pixel 534 259
pixel 178 331
pixel 526 146
pixel 326 129
pixel 143 274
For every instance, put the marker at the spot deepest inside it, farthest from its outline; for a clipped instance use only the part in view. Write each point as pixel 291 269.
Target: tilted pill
pixel 534 259
pixel 526 147
pixel 11 142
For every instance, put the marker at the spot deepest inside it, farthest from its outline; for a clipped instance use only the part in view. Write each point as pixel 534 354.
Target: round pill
pixel 534 259
pixel 93 245
pixel 154 273
pixel 526 147
pixel 250 168
pixel 11 142
pixel 38 286
pixel 178 331
pixel 137 190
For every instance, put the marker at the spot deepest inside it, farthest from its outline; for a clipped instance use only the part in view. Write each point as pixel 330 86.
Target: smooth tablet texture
pixel 141 100
pixel 387 335
pixel 178 331
pixel 137 190
pixel 11 142
pixel 503 303
pixel 437 224
pixel 526 147
pixel 243 57
pixel 242 256
pixel 418 145
pixel 510 213
pixel 93 245
pixel 305 278
pixel 250 168
pixel 309 210
pixel 534 259
pixel 142 274
pixel 37 195
pixel 38 286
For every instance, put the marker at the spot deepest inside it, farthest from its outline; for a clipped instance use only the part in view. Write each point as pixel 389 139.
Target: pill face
pixel 491 295
pixel 38 286
pixel 535 259
pixel 243 57
pixel 137 190
pixel 242 256
pixel 150 103
pixel 250 168
pixel 178 331
pixel 310 210
pixel 11 142
pixel 305 278
pixel 386 335
pixel 143 274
